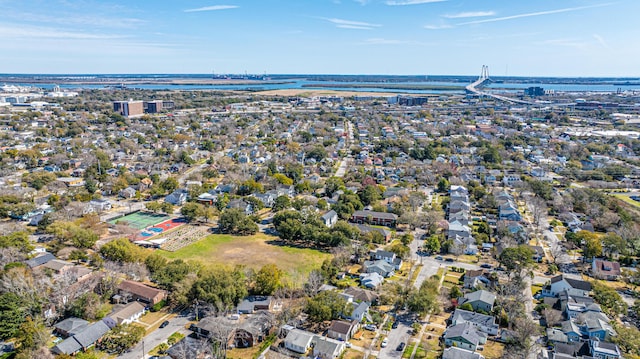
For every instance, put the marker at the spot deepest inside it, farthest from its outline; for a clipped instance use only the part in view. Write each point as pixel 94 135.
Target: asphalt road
pixel 157 337
pixel 401 334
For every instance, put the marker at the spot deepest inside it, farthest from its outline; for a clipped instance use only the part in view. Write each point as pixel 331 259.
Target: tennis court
pixel 141 220
pixel 159 228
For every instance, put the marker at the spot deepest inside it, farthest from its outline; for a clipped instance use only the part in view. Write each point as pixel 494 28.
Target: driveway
pixel 401 334
pixel 158 336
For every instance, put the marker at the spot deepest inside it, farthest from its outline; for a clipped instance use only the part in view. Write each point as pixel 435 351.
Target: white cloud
pixel 50 33
pixel 410 2
pixel 531 14
pixel 437 27
pixel 573 43
pixel 362 2
pixel 601 41
pixel 349 24
pixel 382 41
pixel 463 15
pixel 212 8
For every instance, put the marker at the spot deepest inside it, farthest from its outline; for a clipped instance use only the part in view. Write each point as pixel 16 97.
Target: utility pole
pixel 142 349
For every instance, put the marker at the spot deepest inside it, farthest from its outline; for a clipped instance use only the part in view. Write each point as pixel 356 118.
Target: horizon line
pixel 310 74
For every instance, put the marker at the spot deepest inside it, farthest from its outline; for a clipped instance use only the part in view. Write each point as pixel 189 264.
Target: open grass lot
pixel 246 353
pixel 252 251
pixel 363 338
pixel 493 350
pixel 351 354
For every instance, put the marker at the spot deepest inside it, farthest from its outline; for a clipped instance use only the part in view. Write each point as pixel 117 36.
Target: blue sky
pixel 431 37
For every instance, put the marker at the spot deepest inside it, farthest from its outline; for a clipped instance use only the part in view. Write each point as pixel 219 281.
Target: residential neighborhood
pixel 213 224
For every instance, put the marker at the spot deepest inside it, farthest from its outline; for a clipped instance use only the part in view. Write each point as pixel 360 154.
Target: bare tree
pixel 551 317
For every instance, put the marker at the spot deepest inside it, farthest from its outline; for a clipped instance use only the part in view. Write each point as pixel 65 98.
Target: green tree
pixel 267 280
pixel 400 250
pixel 121 338
pixel 235 221
pixel 425 300
pixel 32 334
pixel 123 251
pixel 19 240
pixel 325 306
pixel 12 314
pixel 170 184
pixel 333 184
pixel 443 185
pixel 432 244
pixel 192 211
pixel 154 206
pixel 221 287
pixel 613 244
pixel 282 179
pixel 167 207
pixel 608 298
pixel 628 339
pixel 250 186
pixel 370 194
pixel 516 259
pixel 281 203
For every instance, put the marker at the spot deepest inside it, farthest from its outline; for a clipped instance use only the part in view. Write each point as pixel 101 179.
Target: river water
pixel 376 86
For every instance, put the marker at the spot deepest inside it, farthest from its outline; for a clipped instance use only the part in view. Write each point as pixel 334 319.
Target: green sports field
pixel 251 251
pixel 141 220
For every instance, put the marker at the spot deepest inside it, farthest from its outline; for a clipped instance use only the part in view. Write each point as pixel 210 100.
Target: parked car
pixel 370 327
pixel 400 347
pixel 439 258
pixel 485 265
pixel 394 325
pixel 164 324
pixel 448 260
pixel 347 344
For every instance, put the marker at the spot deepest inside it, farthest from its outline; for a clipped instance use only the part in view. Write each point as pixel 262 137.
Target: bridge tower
pixel 484 75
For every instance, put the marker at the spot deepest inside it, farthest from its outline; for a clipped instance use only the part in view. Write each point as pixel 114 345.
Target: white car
pixel 347 344
pixel 384 343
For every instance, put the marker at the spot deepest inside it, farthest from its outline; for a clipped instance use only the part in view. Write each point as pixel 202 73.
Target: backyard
pixel 252 251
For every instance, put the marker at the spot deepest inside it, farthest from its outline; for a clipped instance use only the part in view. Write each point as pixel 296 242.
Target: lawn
pixel 493 350
pixel 252 251
pixel 627 199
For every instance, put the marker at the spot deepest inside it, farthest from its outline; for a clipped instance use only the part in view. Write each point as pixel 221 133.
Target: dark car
pixel 400 347
pixel 164 324
pixel 448 260
pixel 394 325
pixel 485 265
pixel 439 258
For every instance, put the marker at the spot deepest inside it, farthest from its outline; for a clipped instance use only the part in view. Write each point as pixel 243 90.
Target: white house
pixel 298 341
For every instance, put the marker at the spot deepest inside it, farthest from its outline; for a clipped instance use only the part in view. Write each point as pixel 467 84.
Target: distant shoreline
pixel 389 86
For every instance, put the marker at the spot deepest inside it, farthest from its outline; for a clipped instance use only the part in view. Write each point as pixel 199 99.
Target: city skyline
pixel 578 38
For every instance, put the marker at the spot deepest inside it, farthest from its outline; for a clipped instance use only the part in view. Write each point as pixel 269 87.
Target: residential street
pixel 158 336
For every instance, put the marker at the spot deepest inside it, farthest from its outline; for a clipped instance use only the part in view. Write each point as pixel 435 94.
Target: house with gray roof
pixel 555 335
pixel 371 280
pixel 388 257
pixel 574 287
pixel 330 218
pixel 327 348
pixel 83 340
pixel 459 353
pixel 484 323
pixel 40 260
pixel 464 336
pixel 70 326
pixel 298 341
pixel 604 350
pixel 479 300
pixel 571 330
pixel 128 314
pixel 380 266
